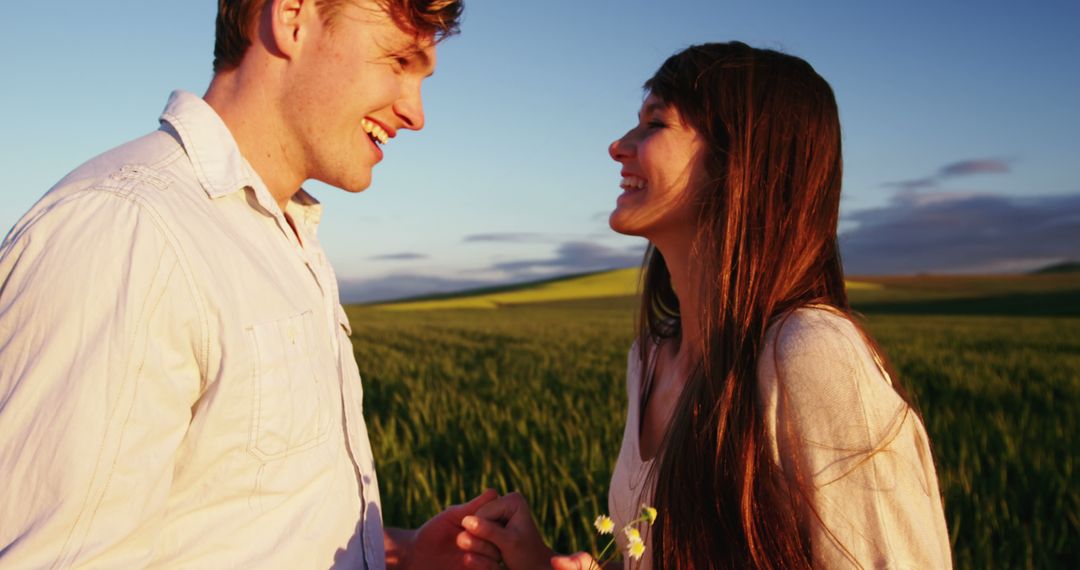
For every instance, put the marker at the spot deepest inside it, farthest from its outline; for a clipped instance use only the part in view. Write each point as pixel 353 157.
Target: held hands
pixel 442 543
pixel 508 524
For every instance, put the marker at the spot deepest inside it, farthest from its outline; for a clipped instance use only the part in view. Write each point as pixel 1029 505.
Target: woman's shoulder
pixel 812 329
pixel 833 420
pixel 635 356
pixel 817 359
pixel 634 365
pixel 820 337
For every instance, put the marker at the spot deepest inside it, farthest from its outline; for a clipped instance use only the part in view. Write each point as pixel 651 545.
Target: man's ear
pixel 288 23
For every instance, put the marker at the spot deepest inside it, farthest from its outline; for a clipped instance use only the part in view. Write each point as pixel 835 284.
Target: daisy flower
pixel 604 524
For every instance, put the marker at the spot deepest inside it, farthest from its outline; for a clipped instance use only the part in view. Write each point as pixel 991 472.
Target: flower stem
pixel 599 560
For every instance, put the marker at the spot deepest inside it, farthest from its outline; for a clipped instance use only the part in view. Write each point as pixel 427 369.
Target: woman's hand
pixel 579 561
pixel 508 524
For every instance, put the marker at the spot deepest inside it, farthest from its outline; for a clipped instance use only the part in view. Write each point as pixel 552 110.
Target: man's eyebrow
pixel 418 58
pixel 424 60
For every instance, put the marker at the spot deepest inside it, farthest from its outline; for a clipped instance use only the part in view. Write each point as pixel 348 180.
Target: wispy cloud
pixel 403 256
pixel 962 233
pixel 915 184
pixel 570 257
pixel 969 167
pixel 575 257
pixel 401 285
pixel 509 237
pixel 954 170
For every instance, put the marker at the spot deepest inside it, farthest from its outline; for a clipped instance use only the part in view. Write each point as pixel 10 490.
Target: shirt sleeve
pixel 838 426
pixel 98 374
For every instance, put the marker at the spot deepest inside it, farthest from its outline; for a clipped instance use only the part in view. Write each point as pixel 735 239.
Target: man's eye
pixel 398 62
pixel 655 124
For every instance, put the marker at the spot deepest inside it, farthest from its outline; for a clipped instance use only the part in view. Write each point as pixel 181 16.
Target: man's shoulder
pixel 157 152
pixel 151 171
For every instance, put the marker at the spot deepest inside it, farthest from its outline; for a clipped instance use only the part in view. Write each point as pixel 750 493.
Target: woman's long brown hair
pixel 766 245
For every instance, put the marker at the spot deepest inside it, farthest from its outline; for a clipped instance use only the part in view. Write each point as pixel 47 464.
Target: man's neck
pixel 255 123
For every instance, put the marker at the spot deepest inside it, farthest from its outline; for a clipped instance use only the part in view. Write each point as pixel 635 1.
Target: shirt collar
pixel 309 207
pixel 219 166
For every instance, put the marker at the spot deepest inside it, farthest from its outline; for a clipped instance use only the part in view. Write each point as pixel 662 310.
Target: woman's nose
pixel 618 149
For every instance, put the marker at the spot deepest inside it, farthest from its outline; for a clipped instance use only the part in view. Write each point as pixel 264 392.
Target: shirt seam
pixel 159 221
pixel 69 551
pixel 178 153
pixel 144 317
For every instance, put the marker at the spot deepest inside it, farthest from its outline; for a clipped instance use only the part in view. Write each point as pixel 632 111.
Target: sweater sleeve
pixel 836 424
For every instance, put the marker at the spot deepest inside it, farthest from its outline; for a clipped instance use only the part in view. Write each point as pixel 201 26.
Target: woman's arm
pixel 860 454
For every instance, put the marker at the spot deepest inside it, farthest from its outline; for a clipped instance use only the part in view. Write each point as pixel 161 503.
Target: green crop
pixel 532 398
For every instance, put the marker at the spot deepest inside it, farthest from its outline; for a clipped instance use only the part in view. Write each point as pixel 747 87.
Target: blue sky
pixel 961 125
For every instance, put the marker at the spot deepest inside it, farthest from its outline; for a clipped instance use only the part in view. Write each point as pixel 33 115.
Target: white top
pixel 827 405
pixel 177 385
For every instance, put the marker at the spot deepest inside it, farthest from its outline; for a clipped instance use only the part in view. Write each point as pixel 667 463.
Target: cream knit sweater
pixel 831 412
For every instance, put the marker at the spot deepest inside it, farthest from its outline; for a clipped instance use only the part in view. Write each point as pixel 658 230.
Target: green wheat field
pixel 524 389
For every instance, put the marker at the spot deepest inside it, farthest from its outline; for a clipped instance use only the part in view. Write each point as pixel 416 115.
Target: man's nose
pixel 410 110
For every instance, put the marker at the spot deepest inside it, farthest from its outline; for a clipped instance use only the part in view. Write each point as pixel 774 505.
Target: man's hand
pixel 442 542
pixel 508 524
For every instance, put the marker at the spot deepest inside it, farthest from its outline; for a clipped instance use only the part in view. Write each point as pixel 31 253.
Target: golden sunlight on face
pixel 353 90
pixel 662 167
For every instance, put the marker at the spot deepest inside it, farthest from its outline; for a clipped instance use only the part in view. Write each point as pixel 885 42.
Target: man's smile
pixel 376 132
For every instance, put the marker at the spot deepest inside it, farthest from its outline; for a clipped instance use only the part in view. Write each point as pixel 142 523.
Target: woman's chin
pixel 620 223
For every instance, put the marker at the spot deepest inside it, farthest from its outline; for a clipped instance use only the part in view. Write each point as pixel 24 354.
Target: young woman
pixel 762 424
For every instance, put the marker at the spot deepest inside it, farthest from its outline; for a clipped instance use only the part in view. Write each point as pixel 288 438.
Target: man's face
pixel 352 87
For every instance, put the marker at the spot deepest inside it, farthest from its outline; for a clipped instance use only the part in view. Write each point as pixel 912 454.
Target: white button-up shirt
pixel 177 385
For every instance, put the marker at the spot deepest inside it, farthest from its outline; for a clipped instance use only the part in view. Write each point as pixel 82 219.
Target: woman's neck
pixel 685 283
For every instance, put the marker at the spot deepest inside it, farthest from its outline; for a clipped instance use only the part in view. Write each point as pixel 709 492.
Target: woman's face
pixel 662 161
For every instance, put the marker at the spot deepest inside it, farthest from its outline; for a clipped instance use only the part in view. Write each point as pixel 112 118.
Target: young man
pixel 177 385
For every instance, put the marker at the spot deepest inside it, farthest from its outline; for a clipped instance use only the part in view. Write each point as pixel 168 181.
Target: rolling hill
pixel 1063 267
pixel 604 284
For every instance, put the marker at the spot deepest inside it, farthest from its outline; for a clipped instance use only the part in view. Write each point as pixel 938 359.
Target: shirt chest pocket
pixel 288 411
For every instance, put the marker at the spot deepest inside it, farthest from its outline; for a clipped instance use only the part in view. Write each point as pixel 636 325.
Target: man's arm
pixel 98 374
